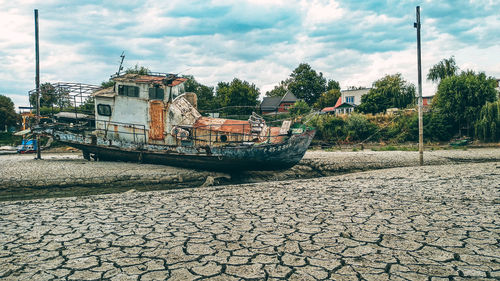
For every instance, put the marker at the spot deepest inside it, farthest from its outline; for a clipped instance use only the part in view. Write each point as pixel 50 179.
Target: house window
pixel 104 109
pixel 129 91
pixel 349 99
pixel 156 93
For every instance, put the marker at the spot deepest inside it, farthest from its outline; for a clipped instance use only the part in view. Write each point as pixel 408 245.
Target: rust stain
pixel 224 130
pixel 152 79
pixel 156 126
pixel 177 81
pixel 222 125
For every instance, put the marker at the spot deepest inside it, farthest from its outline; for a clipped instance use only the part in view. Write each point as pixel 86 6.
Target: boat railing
pixel 197 135
pixel 138 131
pixel 211 134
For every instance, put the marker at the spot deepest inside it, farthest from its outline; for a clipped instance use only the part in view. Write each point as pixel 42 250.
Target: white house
pixel 353 96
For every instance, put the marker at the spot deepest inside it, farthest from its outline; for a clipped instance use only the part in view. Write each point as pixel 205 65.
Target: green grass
pixel 395 148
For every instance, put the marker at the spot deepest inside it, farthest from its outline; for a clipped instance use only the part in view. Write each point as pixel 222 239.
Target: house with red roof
pixel 277 105
pixel 346 103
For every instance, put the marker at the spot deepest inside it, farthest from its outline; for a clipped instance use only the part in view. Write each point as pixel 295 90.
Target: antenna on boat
pixel 182 71
pixel 121 63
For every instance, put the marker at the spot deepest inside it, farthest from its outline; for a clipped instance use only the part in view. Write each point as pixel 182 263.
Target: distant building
pixel 353 96
pixel 277 105
pixel 339 108
pixel 427 101
pixel 347 102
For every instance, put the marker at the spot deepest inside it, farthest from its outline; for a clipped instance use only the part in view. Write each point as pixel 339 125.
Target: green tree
pixel 141 70
pixel 328 98
pixel 437 127
pixel 444 68
pixel 390 91
pixel 306 83
pixel 462 97
pixel 238 97
pixel 107 84
pixel 332 85
pixel 300 107
pixel 487 128
pixel 204 93
pixel 8 116
pixel 51 96
pixel 88 106
pixel 279 90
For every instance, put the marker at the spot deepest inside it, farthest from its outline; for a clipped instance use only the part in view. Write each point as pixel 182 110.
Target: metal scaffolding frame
pixel 70 94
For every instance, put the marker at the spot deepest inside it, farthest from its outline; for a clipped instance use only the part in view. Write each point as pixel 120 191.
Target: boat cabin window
pixel 129 91
pixel 104 109
pixel 156 93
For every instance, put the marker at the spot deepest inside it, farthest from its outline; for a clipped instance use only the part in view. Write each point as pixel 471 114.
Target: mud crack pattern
pixel 429 223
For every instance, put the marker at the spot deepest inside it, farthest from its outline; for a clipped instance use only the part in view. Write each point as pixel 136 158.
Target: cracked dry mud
pixel 424 223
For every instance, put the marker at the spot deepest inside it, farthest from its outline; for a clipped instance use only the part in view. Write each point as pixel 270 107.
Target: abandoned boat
pixel 151 119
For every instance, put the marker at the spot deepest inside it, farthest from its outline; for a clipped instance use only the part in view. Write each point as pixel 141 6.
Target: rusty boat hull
pixel 271 156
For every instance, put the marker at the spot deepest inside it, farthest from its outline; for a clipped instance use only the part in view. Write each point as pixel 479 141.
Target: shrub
pixel 359 128
pixel 404 128
pixel 438 127
pixel 9 139
pixel 329 127
pixel 299 108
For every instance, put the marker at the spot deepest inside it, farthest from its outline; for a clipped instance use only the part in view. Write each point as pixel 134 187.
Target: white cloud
pixel 259 41
pixel 321 11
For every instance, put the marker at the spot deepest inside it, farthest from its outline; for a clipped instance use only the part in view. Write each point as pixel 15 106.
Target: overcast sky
pixel 352 41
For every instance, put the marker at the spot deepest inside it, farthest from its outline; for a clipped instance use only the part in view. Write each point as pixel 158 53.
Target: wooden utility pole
pixel 420 121
pixel 37 83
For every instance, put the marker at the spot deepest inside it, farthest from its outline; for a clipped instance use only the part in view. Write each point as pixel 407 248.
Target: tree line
pixel 465 102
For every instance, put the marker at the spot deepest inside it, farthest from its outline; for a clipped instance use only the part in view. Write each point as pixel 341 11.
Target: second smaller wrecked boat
pixel 151 119
pixel 27 146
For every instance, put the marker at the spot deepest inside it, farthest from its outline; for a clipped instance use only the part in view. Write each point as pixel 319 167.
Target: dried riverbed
pixel 68 174
pixel 414 223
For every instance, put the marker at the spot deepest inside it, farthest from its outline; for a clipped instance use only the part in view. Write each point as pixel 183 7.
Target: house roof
pixel 345 105
pixel 289 97
pixel 362 90
pixel 339 102
pixel 105 93
pixel 332 108
pixel 270 103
